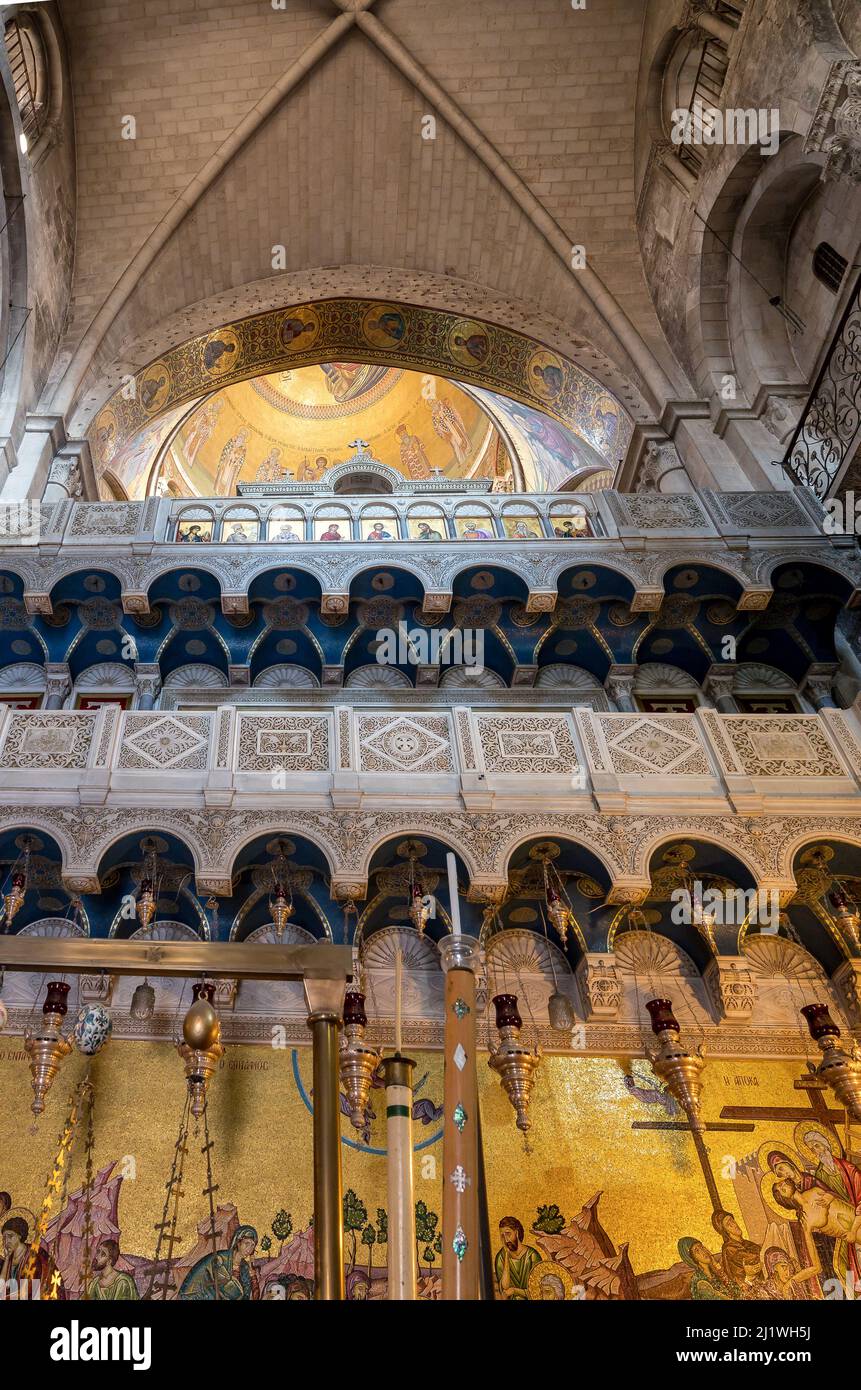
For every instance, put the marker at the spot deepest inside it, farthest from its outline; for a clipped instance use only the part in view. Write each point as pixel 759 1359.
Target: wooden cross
pixel 816 1109
pixel 700 1146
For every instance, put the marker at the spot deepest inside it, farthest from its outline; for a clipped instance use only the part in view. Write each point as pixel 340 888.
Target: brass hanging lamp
pixel 358 1059
pixel 201 1049
pixel 841 1070
pixel 514 1063
pixel 671 1061
pixel 46 1046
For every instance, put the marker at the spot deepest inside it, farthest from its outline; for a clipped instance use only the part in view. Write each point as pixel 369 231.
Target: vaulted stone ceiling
pixel 533 154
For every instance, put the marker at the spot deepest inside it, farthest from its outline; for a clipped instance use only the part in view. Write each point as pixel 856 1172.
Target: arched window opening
pixel 829 266
pixel 29 66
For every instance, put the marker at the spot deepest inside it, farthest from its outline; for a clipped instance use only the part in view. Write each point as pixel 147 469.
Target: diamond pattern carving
pixel 405 744
pixel 641 746
pixel 176 741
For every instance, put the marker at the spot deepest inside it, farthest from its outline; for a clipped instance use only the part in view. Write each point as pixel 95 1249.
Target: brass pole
pixel 328 1185
pixel 460 1230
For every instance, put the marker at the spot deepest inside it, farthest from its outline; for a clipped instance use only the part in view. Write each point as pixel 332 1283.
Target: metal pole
pixel 328 1185
pixel 460 1252
pixel 401 1248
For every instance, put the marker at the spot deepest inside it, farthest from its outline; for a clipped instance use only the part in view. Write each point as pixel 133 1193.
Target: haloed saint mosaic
pixel 607 1198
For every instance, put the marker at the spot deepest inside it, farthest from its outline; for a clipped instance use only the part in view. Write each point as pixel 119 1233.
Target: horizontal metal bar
pixel 218 959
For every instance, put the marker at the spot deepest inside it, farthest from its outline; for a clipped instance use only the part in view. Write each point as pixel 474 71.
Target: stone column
pixel 718 686
pixel 460 1246
pixel 58 686
pixel 620 687
pixel 700 14
pixel 818 683
pixel 147 684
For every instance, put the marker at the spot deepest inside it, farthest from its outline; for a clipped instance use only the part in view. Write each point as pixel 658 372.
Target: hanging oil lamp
pixel 513 1062
pixel 419 908
pixel 147 898
pixel 672 1063
pixel 143 1002
pixel 558 908
pixel 13 901
pixel 358 1060
pixel 840 1069
pixel 846 914
pixel 281 896
pixel 560 1010
pixel 47 1047
pixel 201 1048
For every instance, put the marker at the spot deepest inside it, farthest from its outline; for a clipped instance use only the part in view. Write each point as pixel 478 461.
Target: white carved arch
pixel 757 676
pixel 660 675
pixel 659 565
pixel 471 678
pixel 379 950
pixel 583 838
pixel 53 927
pixel 192 676
pixel 286 677
pixel 516 949
pixel 648 953
pixel 166 931
pixel 808 836
pixel 645 850
pixel 558 675
pixel 291 936
pixel 629 572
pixel 106 675
pixel 23 675
pixel 777 955
pixel 376 677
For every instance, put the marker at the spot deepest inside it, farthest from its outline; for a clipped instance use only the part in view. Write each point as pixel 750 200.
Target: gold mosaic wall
pixel 605 1190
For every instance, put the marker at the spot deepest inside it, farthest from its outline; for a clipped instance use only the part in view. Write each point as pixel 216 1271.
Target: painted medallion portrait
pixel 384 326
pixel 299 329
pixel 154 387
pixel 546 375
pixel 221 352
pixel 469 342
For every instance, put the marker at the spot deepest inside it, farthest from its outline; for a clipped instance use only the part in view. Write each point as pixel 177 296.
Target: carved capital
pixel 600 988
pixel 732 988
pixel 235 604
pixel 541 601
pixel 847 982
pixel 438 601
pixel 96 989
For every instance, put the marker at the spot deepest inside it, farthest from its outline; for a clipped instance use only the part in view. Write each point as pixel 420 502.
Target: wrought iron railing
pixel 829 431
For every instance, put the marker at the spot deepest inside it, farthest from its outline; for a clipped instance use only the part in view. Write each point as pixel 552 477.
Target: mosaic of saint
pixel 609 1199
pixel 295 425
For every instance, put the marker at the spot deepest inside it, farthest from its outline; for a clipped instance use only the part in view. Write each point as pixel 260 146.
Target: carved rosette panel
pixel 404 743
pixel 48 739
pixel 283 742
pixel 535 744
pixel 176 741
pixel 639 746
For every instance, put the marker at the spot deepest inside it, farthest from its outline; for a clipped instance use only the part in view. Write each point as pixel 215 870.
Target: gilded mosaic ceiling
pixel 370 355
pixel 294 425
